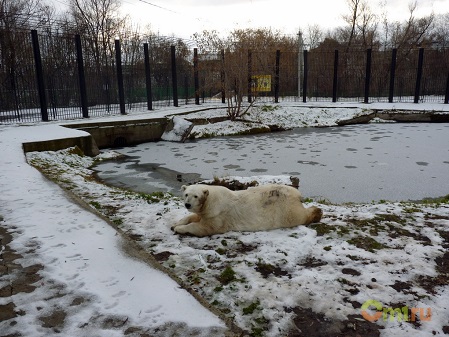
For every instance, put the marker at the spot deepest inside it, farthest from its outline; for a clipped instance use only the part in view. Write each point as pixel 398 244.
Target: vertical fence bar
pixel 367 74
pixel 335 82
pixel 250 98
pixel 446 96
pixel 306 72
pixel 174 76
pixel 121 89
pixel 39 75
pixel 146 53
pixel 392 74
pixel 419 75
pixel 222 77
pixel 81 76
pixel 276 76
pixel 195 76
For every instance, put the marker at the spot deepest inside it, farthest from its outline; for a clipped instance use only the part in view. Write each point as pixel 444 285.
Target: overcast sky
pixel 184 17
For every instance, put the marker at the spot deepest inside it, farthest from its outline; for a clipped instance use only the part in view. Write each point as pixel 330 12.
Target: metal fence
pixel 55 77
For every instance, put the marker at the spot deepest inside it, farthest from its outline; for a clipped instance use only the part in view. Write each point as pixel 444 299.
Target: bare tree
pixel 362 25
pixel 314 36
pixel 440 31
pixel 100 22
pixel 16 18
pixel 24 14
pixel 263 42
pixel 351 19
pixel 209 41
pixel 410 34
pixel 367 25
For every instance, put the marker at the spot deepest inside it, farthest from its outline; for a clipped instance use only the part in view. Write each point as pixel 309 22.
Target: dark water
pixel 360 163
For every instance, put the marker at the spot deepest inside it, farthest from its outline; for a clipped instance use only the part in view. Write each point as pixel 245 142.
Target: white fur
pixel 217 209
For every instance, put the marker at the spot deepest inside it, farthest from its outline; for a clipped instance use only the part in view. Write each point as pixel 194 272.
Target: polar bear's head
pixel 194 197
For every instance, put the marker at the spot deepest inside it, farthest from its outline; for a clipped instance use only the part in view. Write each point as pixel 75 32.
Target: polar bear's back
pixel 257 208
pixel 267 195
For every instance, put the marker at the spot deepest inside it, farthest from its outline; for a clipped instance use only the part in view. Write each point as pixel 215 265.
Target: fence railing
pixel 62 77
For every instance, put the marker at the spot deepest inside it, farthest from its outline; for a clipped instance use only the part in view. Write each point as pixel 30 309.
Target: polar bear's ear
pixel 183 188
pixel 206 193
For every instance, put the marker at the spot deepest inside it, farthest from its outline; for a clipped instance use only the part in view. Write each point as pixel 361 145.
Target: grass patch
pixel 95 204
pixel 220 251
pixel 366 243
pixel 440 200
pixel 267 269
pixel 251 308
pixel 154 197
pixel 227 276
pixel 322 229
pixel 269 108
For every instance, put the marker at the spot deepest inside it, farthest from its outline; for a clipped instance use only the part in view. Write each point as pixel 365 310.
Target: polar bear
pixel 217 209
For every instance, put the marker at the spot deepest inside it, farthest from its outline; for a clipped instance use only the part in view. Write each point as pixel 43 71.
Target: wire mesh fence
pixel 43 76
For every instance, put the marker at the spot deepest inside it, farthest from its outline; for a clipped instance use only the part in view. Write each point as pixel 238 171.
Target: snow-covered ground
pixel 393 253
pixel 83 259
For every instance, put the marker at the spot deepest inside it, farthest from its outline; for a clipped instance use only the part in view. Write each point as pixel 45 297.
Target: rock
pixel 177 130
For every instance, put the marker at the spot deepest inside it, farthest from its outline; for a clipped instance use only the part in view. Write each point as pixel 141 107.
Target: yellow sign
pixel 261 82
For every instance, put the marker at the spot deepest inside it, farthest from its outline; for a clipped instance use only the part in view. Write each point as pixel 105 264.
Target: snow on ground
pixel 393 253
pixel 292 115
pixel 82 259
pixel 180 130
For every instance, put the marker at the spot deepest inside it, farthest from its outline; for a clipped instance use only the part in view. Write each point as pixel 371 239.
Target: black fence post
pixel 174 76
pixel 419 75
pixel 335 82
pixel 276 76
pixel 250 98
pixel 148 76
pixel 304 81
pixel 81 76
pixel 446 97
pixel 367 74
pixel 195 76
pixel 392 75
pixel 223 79
pixel 121 89
pixel 39 75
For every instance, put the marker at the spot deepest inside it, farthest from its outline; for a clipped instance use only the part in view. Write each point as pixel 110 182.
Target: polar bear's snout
pixel 194 201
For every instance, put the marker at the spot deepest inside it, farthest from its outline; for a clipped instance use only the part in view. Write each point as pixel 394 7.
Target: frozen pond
pixel 361 163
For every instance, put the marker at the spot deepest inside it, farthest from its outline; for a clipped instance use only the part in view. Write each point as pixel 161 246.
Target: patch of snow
pixel 179 131
pixel 260 180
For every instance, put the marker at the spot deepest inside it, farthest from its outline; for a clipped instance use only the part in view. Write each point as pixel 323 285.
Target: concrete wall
pixel 123 133
pixel 86 143
pixel 104 135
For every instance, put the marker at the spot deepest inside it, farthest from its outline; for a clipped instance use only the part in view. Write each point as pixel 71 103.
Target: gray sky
pixel 185 17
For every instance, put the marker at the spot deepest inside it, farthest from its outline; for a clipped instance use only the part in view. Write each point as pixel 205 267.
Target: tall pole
pixel 39 76
pixel 300 60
